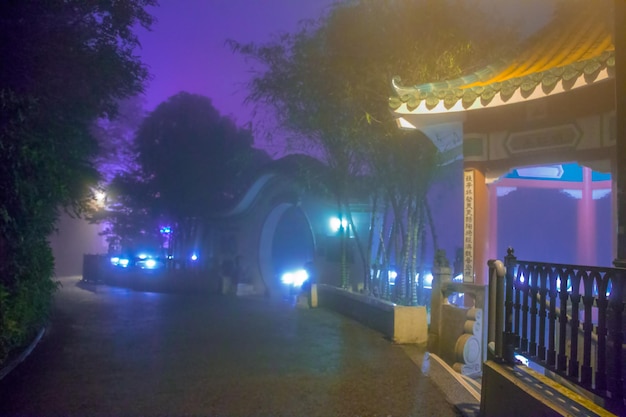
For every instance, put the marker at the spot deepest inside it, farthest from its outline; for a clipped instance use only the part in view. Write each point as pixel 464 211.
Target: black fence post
pixel 495 309
pixel 508 352
pixel 616 353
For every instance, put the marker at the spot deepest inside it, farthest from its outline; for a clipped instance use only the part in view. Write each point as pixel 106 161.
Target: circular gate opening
pixel 286 246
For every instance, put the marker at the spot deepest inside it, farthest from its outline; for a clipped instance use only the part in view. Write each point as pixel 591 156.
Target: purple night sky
pixel 186 51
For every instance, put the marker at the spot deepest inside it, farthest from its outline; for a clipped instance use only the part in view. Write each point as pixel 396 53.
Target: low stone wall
pixel 97 269
pixel 401 324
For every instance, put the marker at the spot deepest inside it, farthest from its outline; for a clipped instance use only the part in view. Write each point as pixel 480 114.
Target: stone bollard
pixel 468 346
pixel 441 274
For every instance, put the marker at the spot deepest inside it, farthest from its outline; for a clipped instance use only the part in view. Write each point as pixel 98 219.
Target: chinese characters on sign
pixel 468 223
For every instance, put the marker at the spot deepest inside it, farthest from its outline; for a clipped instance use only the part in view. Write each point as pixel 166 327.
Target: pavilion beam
pixel 620 128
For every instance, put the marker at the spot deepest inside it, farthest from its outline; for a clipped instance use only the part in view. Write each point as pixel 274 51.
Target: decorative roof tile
pixel 566 54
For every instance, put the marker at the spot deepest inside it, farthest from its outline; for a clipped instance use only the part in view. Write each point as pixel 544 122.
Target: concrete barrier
pixel 401 324
pixel 518 391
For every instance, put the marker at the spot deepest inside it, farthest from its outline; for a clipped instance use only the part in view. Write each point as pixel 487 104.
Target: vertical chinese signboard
pixel 468 226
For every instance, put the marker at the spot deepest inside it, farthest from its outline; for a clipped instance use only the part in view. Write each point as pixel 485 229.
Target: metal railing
pixel 567 318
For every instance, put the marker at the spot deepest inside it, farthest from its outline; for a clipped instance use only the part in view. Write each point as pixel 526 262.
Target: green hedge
pixel 25 302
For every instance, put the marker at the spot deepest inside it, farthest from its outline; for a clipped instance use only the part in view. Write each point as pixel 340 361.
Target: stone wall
pixel 401 324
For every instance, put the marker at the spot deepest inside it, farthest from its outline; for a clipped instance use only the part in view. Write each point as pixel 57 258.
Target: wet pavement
pixel 117 352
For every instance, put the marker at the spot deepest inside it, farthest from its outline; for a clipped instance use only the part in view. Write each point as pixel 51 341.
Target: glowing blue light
pixel 194 257
pixel 166 230
pixel 558 285
pixel 428 280
pixel 117 261
pixel 151 264
pixel 522 359
pixel 295 278
pixel 336 223
pixel 142 256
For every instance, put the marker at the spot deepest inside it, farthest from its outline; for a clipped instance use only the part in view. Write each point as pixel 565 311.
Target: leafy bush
pixel 71 61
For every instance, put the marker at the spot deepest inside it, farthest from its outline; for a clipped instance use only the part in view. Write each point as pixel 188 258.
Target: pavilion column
pixel 492 242
pixel 586 241
pixel 476 226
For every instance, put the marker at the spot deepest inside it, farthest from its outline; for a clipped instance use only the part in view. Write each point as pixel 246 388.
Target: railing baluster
pixel 534 290
pixel 564 297
pixel 572 370
pixel 551 359
pixel 543 291
pixel 517 307
pixel 518 285
pixel 525 294
pixel 616 340
pixel 509 338
pixel 601 331
pixel 588 299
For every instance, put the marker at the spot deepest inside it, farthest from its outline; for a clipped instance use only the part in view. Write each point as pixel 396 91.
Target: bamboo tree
pixel 329 85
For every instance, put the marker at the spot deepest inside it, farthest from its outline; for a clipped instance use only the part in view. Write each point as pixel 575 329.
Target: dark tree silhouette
pixel 193 158
pixel 192 163
pixel 65 63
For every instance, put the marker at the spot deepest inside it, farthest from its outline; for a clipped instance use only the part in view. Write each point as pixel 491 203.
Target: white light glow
pixel 558 285
pixel 549 172
pixel 522 359
pixel 598 194
pixel 117 261
pixel 502 191
pixel 404 123
pixel 428 279
pixel 100 196
pixel 577 194
pixel 295 278
pixel 336 223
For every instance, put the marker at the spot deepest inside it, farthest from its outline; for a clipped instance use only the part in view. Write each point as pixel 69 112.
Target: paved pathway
pixel 118 352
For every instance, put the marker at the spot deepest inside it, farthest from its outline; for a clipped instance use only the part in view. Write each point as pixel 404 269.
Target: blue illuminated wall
pixel 541 224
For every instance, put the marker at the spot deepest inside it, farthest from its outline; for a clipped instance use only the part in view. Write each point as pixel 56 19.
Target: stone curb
pixel 461 394
pixel 464 396
pixel 5 370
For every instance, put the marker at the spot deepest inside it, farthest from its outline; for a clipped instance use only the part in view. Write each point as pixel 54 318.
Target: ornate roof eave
pixel 456 96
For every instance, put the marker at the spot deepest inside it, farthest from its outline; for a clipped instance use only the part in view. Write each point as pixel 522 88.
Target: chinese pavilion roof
pixel 567 54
